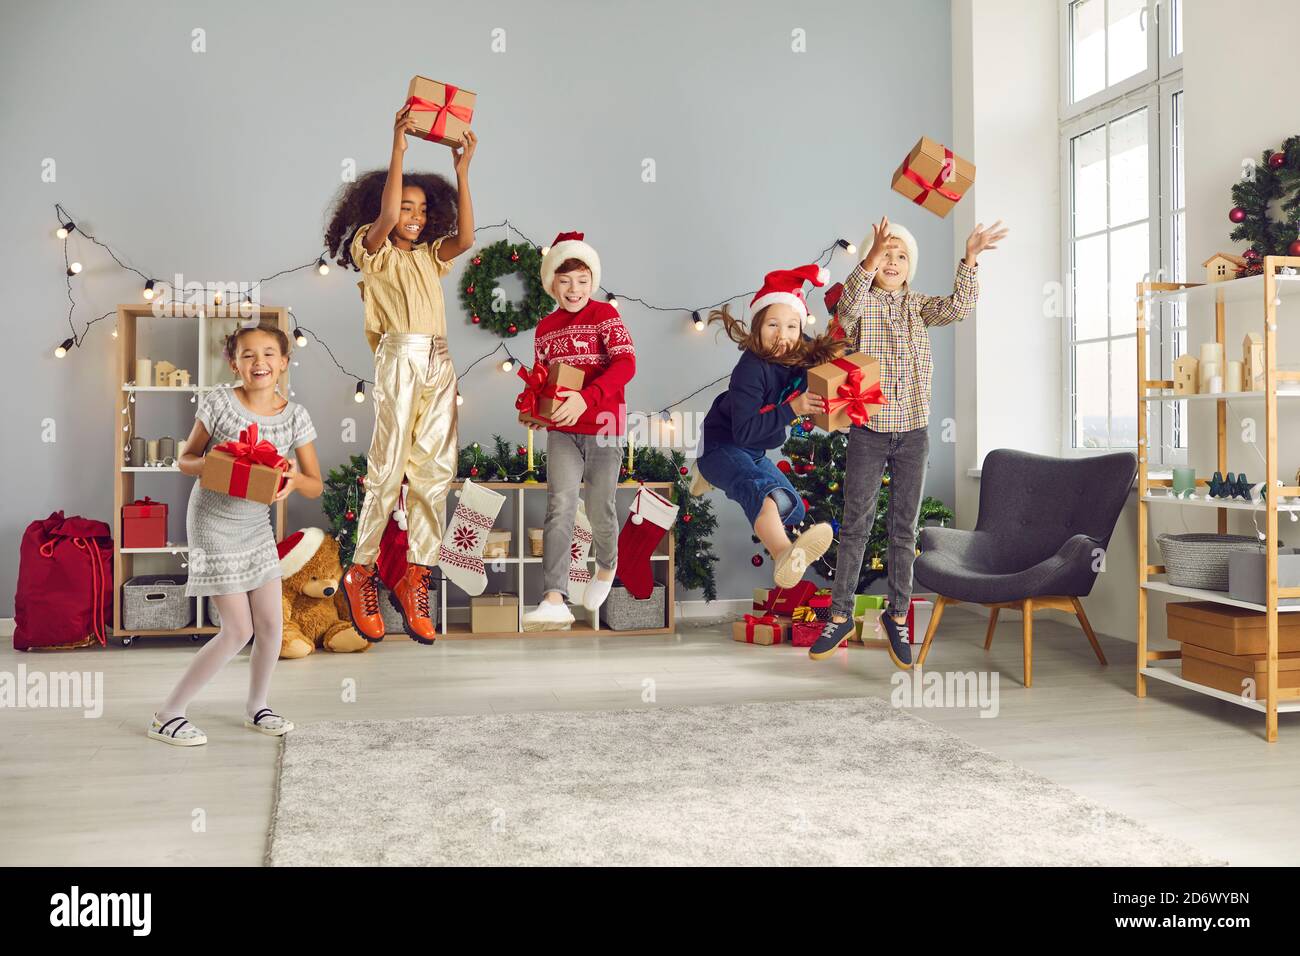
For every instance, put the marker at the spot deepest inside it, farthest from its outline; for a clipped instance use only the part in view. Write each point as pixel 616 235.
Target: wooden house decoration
pixel 1222 266
pixel 162 372
pixel 1186 375
pixel 1252 363
pixel 181 378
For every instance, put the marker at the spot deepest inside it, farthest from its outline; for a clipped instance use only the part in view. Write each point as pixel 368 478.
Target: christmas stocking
pixel 579 573
pixel 649 517
pixel 461 553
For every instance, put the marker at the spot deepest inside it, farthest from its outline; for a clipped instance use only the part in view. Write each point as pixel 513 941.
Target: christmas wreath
pixel 483 299
pixel 1275 181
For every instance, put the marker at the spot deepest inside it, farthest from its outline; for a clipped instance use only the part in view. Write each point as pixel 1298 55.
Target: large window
pixel 1122 180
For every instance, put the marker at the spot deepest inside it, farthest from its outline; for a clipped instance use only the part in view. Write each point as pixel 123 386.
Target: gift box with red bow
pixel 442 112
pixel 247 468
pixel 805 628
pixel 851 387
pixel 144 524
pixel 783 601
pixel 754 629
pixel 541 395
pixel 933 177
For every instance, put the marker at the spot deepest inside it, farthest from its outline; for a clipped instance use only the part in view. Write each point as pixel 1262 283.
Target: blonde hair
pixel 804 354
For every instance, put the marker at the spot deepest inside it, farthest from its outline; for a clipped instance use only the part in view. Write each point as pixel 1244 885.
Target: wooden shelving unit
pixel 663 561
pixel 1268 287
pixel 124 476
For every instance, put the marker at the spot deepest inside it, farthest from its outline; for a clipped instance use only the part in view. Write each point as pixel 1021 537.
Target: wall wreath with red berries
pixel 1270 187
pixel 485 301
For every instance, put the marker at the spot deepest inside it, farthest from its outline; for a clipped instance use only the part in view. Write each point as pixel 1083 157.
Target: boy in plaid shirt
pixel 883 317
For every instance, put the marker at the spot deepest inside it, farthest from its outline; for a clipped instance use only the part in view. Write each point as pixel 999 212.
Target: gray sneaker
pixel 900 648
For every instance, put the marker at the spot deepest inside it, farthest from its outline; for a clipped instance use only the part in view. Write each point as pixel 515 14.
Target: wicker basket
pixel 622 612
pixel 1201 560
pixel 156 602
pixel 535 542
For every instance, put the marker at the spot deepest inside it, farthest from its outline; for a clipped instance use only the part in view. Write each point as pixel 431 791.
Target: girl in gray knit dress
pixel 232 549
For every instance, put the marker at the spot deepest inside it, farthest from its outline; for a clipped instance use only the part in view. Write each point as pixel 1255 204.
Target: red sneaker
pixel 411 595
pixel 361 585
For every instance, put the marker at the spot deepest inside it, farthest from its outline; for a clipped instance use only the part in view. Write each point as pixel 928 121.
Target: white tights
pixel 257 614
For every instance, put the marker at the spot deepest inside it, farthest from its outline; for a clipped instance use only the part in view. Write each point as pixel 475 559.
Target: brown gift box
pixel 1228 672
pixel 498 544
pixel 218 469
pixel 825 380
pixel 929 161
pixel 561 376
pixel 494 613
pixel 1228 629
pixel 453 127
pixel 765 634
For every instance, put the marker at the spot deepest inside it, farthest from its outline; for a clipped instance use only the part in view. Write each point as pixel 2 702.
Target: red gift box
pixel 821 606
pixel 144 524
pixel 805 633
pixel 783 601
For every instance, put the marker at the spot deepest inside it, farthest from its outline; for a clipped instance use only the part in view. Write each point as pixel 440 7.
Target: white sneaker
pixel 548 616
pixel 598 590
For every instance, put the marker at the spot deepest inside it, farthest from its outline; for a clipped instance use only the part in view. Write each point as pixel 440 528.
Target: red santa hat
pixel 569 245
pixel 297 549
pixel 786 285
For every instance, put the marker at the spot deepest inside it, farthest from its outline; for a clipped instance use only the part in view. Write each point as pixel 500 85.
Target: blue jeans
pixel 748 477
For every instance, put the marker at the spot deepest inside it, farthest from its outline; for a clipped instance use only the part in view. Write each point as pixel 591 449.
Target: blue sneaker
pixel 833 635
pixel 899 647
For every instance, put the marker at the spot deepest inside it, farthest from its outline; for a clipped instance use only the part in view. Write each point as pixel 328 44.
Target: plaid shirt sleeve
pixel 944 310
pixel 852 307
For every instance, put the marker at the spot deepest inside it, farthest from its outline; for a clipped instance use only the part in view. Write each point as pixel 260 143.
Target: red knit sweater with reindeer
pixel 596 341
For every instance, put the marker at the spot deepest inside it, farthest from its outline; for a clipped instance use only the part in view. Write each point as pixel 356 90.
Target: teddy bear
pixel 312 570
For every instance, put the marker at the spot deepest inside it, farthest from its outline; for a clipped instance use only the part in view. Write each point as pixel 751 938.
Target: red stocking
pixel 649 517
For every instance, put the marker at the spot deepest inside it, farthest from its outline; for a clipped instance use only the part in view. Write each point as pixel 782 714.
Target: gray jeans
pixel 905 454
pixel 571 459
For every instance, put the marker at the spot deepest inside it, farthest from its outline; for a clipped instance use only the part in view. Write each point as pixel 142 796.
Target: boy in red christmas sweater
pixel 584 440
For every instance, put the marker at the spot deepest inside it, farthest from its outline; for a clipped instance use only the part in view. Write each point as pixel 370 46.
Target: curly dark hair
pixel 358 203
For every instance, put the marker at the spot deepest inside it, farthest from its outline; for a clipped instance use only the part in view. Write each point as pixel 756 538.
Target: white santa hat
pixel 569 245
pixel 297 549
pixel 786 285
pixel 909 243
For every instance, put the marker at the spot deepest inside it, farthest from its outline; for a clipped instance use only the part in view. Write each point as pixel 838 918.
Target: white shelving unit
pixel 128 318
pixel 1267 289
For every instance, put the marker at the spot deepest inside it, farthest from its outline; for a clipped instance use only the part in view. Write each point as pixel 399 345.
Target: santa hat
pixel 909 243
pixel 569 245
pixel 297 549
pixel 786 285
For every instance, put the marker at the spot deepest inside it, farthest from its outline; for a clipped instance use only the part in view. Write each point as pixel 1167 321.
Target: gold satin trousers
pixel 415 439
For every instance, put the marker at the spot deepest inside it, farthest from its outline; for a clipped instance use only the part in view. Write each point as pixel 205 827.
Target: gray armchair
pixel 1042 524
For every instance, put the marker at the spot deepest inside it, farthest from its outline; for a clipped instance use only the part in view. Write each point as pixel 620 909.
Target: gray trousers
pixel 570 460
pixel 905 454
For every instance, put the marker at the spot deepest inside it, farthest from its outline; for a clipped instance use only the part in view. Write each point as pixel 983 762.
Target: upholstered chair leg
pixel 939 603
pixel 993 622
pixel 1027 610
pixel 1087 629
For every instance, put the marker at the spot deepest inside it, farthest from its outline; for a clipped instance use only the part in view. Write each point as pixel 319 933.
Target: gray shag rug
pixel 853 781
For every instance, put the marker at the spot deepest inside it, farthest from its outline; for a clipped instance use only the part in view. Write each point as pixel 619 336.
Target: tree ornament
pixel 473 471
pixel 783 467
pixel 475 319
pixel 1277 160
pixel 469 290
pixel 361 479
pixel 520 450
pixel 1294 248
pixel 683 470
pixel 756 560
pixel 1251 255
pixel 1237 214
pixel 477 260
pixel 686 519
pixel 807 426
pixel 512 328
pixel 834 486
pixel 350 515
pixel 514 257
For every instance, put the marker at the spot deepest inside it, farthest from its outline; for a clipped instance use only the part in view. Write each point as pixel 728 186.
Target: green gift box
pixel 862 605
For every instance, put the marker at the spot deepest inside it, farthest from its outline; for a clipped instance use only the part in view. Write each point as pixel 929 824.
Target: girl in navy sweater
pixel 765 396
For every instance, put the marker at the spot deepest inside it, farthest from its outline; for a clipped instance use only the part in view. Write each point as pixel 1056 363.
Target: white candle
pixel 143 371
pixel 1216 384
pixel 1232 382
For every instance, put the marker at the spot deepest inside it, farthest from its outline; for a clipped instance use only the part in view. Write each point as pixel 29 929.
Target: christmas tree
pixel 815 466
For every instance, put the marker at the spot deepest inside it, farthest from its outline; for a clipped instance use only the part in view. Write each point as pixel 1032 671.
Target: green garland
pixel 479 282
pixel 816 463
pixel 696 523
pixel 1269 184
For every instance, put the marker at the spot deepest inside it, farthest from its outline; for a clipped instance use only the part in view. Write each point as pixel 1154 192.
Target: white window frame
pixel 1152 89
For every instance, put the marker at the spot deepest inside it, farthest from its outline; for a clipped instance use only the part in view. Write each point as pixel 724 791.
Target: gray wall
pixel 220 164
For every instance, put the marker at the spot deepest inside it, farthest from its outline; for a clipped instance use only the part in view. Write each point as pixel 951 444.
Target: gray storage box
pixel 156 602
pixel 622 612
pixel 393 623
pixel 1246 575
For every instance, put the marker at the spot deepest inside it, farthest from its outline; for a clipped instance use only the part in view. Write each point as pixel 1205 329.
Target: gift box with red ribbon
pixel 783 601
pixel 820 603
pixel 805 628
pixel 247 468
pixel 442 112
pixel 754 629
pixel 144 524
pixel 851 387
pixel 541 395
pixel 933 177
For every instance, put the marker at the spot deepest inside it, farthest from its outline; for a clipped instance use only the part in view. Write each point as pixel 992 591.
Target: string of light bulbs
pixel 67 227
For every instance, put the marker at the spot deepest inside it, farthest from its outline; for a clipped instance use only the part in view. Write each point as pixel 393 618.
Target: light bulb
pixel 322 267
pixel 299 338
pixel 216 298
pixel 612 300
pixel 74 268
pixel 810 319
pixel 546 250
pixel 698 320
pixel 460 399
pixel 847 246
pixel 64 229
pixel 507 365
pixel 62 348
pixel 360 395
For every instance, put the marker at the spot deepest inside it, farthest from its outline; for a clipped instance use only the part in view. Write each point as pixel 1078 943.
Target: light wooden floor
pixel 98 792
